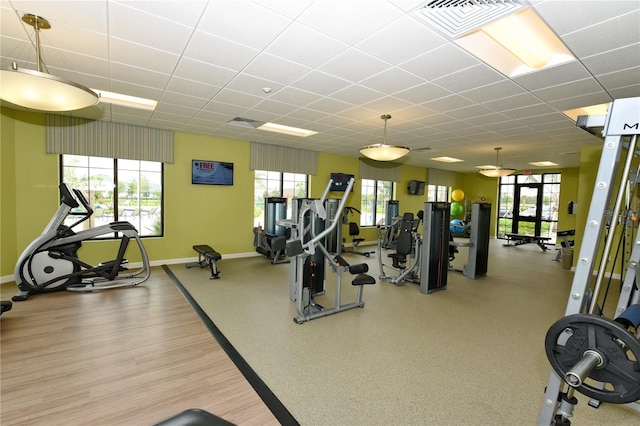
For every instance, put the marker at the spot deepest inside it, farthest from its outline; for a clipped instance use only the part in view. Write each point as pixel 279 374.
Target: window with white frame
pixel 118 189
pixel 277 184
pixel 438 193
pixel 373 202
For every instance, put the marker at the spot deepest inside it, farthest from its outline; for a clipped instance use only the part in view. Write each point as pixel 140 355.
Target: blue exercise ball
pixel 457 227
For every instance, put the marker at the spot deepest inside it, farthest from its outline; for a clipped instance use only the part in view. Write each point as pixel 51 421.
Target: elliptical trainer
pixel 51 261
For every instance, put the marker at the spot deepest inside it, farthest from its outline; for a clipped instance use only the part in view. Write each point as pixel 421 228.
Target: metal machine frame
pixel 621 129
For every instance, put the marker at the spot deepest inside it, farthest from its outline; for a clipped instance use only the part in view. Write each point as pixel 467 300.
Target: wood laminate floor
pixel 130 356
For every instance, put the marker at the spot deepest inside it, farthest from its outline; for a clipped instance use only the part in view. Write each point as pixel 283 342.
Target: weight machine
pixel 589 353
pixel 271 241
pixel 478 244
pixel 406 258
pixel 51 261
pixel 308 240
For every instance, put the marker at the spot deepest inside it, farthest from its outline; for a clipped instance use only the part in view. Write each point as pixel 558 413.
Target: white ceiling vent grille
pixel 245 122
pixel 454 18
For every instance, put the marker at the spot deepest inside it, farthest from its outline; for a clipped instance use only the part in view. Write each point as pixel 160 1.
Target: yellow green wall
pixel 193 214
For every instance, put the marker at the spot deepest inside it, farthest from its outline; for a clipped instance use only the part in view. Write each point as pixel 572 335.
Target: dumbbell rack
pixel 621 127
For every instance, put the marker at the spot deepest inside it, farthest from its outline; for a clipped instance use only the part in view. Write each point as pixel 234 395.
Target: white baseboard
pixel 11 278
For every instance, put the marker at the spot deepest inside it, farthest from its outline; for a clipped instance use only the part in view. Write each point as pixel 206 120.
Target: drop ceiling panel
pixel 613 60
pixel 400 41
pixel 276 69
pixel 171 9
pixel 244 22
pixel 432 64
pixel 342 65
pixel 608 35
pixel 288 46
pixel 227 54
pixel 141 56
pixel 208 61
pixel 554 76
pixel 348 21
pixel 145 28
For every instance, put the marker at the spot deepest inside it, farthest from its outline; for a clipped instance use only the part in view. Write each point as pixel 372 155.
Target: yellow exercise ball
pixel 457 195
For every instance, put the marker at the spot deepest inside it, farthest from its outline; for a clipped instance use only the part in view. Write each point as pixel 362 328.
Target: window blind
pixel 441 177
pixel 379 170
pixel 80 136
pixel 283 159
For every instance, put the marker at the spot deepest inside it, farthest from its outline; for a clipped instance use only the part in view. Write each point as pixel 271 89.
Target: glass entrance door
pixel 526 218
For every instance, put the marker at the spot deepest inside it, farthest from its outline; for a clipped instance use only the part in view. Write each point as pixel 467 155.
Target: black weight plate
pixel 621 369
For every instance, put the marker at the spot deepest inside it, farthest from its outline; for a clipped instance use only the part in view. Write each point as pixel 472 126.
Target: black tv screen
pixel 416 187
pixel 339 181
pixel 211 172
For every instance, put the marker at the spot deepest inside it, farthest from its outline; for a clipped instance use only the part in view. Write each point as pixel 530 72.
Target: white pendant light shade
pixel 496 171
pixel 382 151
pixel 40 90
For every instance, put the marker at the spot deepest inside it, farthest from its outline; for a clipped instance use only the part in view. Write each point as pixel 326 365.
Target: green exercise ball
pixel 457 195
pixel 456 209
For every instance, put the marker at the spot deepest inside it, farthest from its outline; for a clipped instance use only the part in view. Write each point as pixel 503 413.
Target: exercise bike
pixel 51 261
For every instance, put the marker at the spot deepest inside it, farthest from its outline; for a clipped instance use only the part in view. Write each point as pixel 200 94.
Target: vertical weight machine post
pixel 621 120
pixel 434 265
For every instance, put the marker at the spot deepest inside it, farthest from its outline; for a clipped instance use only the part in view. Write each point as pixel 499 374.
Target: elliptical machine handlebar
pixel 67 197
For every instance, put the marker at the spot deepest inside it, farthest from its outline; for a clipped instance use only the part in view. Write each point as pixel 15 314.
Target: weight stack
pixel 435 247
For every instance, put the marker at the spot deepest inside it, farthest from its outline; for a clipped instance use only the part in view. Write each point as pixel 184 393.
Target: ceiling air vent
pixel 454 18
pixel 245 122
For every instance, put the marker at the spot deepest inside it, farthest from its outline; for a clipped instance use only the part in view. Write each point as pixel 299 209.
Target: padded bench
pixel 518 240
pixel 206 256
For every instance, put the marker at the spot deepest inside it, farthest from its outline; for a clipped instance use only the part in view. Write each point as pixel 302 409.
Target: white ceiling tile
pixel 613 60
pixel 276 69
pixel 342 65
pixel 192 87
pixel 320 83
pixel 170 9
pixel 295 96
pixel 144 28
pixel 142 56
pixel 227 54
pixel 401 40
pixel 561 74
pixel 609 35
pixel 349 21
pixel 392 80
pixel 206 73
pixel 490 92
pixel 568 90
pixel 431 65
pixel 356 94
pixel 244 22
pixel 288 46
pixel 513 102
pixel 466 79
pixel 138 75
pixel 568 16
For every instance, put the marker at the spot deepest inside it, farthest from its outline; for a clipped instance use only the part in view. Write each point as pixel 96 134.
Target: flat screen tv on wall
pixel 416 187
pixel 211 172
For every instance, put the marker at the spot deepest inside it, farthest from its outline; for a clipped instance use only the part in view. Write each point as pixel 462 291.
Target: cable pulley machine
pixel 589 353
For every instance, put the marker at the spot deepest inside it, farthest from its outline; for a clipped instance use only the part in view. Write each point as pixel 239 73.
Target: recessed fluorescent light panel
pixel 447 159
pixel 125 100
pixel 286 130
pixel 517 44
pixel 543 163
pixel 573 114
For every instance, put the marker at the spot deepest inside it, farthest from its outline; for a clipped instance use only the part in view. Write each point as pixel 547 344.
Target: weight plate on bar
pixel 617 381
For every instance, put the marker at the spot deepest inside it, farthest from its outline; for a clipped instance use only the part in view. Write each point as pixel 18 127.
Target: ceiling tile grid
pixel 333 66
